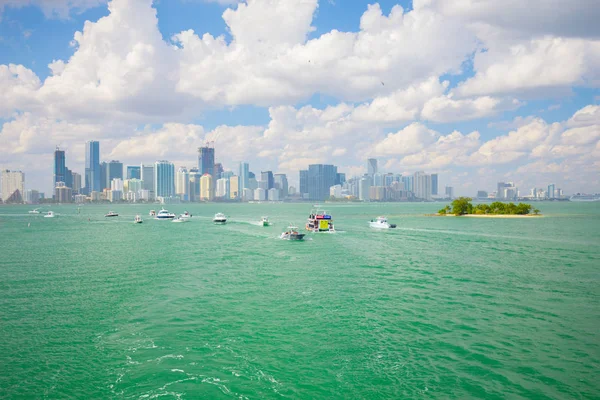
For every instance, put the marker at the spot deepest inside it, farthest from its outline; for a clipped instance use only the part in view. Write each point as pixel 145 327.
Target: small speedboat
pixel 180 218
pixel 138 219
pixel 220 218
pixel 152 213
pixel 265 221
pixel 381 223
pixel 164 214
pixel 292 234
pixel 185 215
pixel 111 214
pixel 49 214
pixel 36 211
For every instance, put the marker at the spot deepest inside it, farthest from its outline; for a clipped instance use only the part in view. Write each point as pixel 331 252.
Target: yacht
pixel 185 215
pixel 111 214
pixel 585 197
pixel 220 218
pixel 164 214
pixel 138 219
pixel 292 234
pixel 265 221
pixel 152 213
pixel 49 214
pixel 319 221
pixel 180 218
pixel 36 211
pixel 381 223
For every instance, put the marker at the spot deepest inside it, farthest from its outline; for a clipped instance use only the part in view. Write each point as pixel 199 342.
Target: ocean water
pixel 94 307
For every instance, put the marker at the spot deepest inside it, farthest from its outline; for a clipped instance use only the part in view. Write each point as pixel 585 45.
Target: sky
pixel 478 91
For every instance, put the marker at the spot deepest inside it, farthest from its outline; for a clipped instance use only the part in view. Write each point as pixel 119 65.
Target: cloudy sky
pixel 476 90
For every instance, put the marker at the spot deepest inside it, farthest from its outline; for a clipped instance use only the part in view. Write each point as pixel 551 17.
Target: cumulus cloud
pixel 54 8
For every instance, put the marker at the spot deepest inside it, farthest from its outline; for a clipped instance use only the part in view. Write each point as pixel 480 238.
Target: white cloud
pixel 54 8
pixel 447 109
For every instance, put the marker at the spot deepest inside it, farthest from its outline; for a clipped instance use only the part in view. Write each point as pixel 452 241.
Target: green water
pixel 438 308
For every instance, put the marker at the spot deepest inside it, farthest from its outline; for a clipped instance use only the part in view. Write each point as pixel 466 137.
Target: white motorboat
pixel 185 215
pixel 381 223
pixel 36 211
pixel 138 219
pixel 152 213
pixel 49 214
pixel 111 214
pixel 292 234
pixel 180 218
pixel 265 221
pixel 164 214
pixel 320 221
pixel 220 218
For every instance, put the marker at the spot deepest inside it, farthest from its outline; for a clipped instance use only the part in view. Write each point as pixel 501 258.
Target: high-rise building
pixel 501 193
pixel 13 186
pixel 244 176
pixel 63 193
pixel 92 166
pixel 134 172
pixel 434 184
pixel 206 160
pixel 408 182
pixel 69 178
pixel 248 194
pixel 551 191
pixel 147 176
pixel 335 191
pixel 340 179
pixel 303 182
pixel 222 188
pixel 267 177
pixel 363 188
pixel 206 187
pixel 182 185
pixel 449 192
pixel 281 183
pixel 388 179
pixel 133 185
pixel 482 194
pixel 260 194
pixel 422 185
pixel 114 170
pixel 76 182
pixel 103 175
pixel 218 171
pixel 377 180
pixel 234 184
pixel 164 179
pixel 194 191
pixel 371 167
pixel 32 196
pixel 60 168
pixel 273 194
pixel 320 178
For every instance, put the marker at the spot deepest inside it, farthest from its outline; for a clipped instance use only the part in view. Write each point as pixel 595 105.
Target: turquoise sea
pixel 98 308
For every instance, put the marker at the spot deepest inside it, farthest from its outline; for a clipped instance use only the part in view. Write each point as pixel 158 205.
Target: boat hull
pixel 220 221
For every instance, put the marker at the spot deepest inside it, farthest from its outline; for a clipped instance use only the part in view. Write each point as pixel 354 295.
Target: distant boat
pixel 220 218
pixel 138 219
pixel 49 214
pixel 181 219
pixel 292 234
pixel 381 223
pixel 111 214
pixel 585 197
pixel 36 211
pixel 185 215
pixel 265 221
pixel 164 214
pixel 152 213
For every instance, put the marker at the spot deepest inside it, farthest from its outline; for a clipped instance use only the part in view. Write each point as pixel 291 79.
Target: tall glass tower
pixel 60 168
pixel 164 179
pixel 206 160
pixel 244 176
pixel 92 166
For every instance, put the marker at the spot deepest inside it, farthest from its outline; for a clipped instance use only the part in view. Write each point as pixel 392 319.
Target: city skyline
pixel 447 96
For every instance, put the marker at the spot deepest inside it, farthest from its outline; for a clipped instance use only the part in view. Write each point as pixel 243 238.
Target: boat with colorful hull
pixel 319 221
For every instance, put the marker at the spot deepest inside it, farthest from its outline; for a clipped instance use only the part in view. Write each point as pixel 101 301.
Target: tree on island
pixel 463 206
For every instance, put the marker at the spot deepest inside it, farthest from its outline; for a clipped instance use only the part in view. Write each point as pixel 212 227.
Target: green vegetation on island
pixel 463 206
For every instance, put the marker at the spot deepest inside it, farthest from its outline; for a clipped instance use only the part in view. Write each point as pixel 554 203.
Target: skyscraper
pixel 164 179
pixel 434 184
pixel 62 193
pixel 76 181
pixel 103 176
pixel 13 186
pixel 194 191
pixel 182 186
pixel 92 167
pixel 234 184
pixel 134 172
pixel 147 176
pixel 206 160
pixel 320 178
pixel 422 185
pixel 244 176
pixel 206 187
pixel 60 168
pixel 218 171
pixel 449 192
pixel 551 191
pixel 281 183
pixel 114 170
pixel 267 176
pixel 303 182
pixel 363 188
pixel 372 166
pixel 222 188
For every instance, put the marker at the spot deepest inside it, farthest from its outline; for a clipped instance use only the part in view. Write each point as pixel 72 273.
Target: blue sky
pixel 292 72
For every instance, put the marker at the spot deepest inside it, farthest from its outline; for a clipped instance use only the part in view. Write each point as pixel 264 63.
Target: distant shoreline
pixel 487 215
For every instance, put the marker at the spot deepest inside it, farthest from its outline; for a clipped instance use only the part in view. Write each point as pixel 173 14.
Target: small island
pixel 463 207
